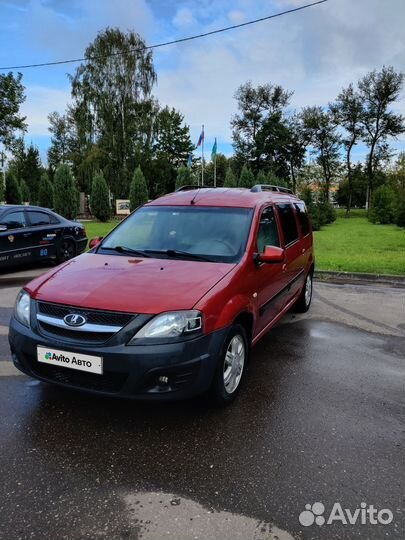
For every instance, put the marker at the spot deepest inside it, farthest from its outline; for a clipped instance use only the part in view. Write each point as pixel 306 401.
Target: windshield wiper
pixel 179 253
pixel 124 249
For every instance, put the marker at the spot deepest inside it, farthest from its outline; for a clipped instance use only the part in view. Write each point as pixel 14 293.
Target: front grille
pixel 108 382
pixel 72 335
pixel 93 316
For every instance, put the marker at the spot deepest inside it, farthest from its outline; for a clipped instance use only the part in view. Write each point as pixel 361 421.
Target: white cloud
pixel 184 18
pixel 41 101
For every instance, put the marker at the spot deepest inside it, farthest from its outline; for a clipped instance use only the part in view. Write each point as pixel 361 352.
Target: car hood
pixel 134 285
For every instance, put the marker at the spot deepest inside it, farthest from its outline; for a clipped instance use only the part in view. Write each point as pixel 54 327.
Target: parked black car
pixel 29 234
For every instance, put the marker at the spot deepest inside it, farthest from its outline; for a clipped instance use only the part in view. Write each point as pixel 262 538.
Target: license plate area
pixel 70 360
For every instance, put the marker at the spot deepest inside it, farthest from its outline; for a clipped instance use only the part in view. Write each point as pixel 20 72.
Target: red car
pixel 168 305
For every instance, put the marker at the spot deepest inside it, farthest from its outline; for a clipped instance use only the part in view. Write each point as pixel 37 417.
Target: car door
pixel 268 278
pixel 294 266
pixel 46 232
pixel 15 238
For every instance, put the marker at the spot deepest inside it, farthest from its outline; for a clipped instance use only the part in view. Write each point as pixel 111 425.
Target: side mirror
pixel 271 254
pixel 95 241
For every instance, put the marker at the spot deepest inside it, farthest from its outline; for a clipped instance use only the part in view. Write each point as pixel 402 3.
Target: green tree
pixel 31 171
pixel 348 114
pixel 60 127
pixel 100 198
pixel 45 192
pixel 138 193
pixel 258 129
pixel 66 195
pixel 25 192
pixel 183 177
pixel 13 190
pixel 2 190
pixel 325 141
pixel 230 178
pixel 110 91
pixel 11 98
pixel 378 91
pixel 384 205
pixel 246 178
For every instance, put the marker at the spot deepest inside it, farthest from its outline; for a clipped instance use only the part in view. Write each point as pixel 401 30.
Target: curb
pixel 360 278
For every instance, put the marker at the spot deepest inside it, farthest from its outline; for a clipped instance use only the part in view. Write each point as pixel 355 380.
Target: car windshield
pixel 196 233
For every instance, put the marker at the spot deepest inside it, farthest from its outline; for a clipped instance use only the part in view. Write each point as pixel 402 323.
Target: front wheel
pixel 231 367
pixel 304 301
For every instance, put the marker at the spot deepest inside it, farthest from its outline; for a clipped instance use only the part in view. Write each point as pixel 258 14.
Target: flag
pixel 214 150
pixel 200 139
pixel 190 161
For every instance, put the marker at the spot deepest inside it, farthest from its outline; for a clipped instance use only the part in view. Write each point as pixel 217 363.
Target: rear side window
pixel 14 220
pixel 39 218
pixel 288 223
pixel 267 234
pixel 303 218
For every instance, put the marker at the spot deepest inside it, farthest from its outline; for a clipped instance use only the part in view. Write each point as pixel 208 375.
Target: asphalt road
pixel 320 419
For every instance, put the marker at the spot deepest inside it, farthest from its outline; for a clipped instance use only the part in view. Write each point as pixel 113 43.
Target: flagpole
pixel 202 156
pixel 215 170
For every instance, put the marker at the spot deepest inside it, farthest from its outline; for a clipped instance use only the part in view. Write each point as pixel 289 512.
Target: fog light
pixel 162 379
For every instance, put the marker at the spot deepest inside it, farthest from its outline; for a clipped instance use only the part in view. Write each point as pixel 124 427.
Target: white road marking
pixel 7 369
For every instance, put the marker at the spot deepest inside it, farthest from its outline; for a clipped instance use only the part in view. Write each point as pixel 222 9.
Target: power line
pixel 164 44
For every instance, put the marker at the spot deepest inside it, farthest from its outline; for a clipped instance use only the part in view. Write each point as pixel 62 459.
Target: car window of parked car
pixel 303 218
pixel 14 220
pixel 38 218
pixel 288 223
pixel 267 234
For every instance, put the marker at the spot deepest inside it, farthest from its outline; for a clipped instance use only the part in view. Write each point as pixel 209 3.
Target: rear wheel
pixel 67 250
pixel 304 301
pixel 231 367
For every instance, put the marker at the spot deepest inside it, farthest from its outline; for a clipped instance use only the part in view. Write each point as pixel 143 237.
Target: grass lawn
pixel 349 244
pixel 355 245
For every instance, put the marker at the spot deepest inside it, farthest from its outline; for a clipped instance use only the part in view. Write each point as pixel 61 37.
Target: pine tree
pixel 246 179
pixel 230 179
pixel 138 192
pixel 45 192
pixel 2 190
pixel 25 192
pixel 100 198
pixel 13 191
pixel 31 172
pixel 66 195
pixel 183 177
pixel 261 178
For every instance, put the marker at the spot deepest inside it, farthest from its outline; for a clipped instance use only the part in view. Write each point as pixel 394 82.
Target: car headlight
pixel 173 324
pixel 22 308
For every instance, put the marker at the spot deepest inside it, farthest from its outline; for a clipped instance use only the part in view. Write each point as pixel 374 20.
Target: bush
pixel 183 177
pixel 246 179
pixel 400 211
pixel 384 205
pixel 327 212
pixel 100 198
pixel 320 212
pixel 13 190
pixel 138 192
pixel 230 179
pixel 25 192
pixel 66 195
pixel 45 192
pixel 261 178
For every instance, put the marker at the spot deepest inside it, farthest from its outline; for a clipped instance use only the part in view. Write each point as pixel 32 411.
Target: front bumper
pixel 129 371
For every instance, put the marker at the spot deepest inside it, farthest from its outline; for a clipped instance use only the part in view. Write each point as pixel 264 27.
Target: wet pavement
pixel 320 419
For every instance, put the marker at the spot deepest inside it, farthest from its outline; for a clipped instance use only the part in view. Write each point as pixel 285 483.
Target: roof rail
pixel 269 187
pixel 190 187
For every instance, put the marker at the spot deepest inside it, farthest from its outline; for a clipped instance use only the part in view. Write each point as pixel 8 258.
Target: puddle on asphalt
pixel 163 515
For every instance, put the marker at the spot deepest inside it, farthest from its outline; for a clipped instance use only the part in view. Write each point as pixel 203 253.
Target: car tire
pixel 231 367
pixel 304 301
pixel 67 250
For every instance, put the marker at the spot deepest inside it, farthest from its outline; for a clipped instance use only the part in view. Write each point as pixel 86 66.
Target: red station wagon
pixel 168 305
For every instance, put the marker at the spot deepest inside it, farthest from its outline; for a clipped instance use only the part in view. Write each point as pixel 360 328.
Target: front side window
pixel 303 218
pixel 214 233
pixel 267 234
pixel 288 223
pixel 38 218
pixel 14 220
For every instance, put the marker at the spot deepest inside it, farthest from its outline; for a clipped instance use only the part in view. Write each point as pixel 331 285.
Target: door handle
pixel 284 267
pixel 303 250
pixel 27 234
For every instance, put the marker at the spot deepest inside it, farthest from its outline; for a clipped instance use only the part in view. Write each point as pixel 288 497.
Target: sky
pixel 314 53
